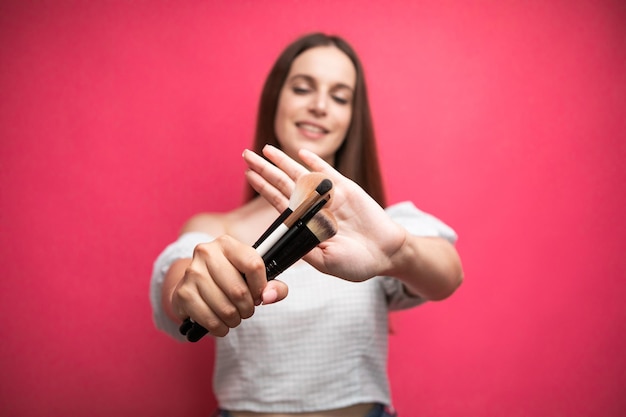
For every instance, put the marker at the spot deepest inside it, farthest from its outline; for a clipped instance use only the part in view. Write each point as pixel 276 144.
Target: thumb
pixel 274 291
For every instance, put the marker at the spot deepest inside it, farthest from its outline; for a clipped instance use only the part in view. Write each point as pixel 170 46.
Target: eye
pixel 341 100
pixel 300 90
pixel 341 95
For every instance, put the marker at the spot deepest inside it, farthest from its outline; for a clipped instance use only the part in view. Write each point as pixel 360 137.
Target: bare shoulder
pixel 245 223
pixel 213 224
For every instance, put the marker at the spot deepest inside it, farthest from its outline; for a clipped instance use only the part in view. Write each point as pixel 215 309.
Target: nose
pixel 319 104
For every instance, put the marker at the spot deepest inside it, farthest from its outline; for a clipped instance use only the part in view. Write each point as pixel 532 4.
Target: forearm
pixel 428 266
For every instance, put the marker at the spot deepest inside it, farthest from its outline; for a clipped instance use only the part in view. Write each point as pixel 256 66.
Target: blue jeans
pixel 379 410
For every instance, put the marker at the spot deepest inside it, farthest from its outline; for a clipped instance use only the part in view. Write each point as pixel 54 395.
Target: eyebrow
pixel 312 80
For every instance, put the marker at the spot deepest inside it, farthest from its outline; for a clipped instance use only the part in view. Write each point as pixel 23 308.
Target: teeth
pixel 311 128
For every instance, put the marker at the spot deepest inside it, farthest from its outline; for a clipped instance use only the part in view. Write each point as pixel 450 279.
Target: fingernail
pixel 269 296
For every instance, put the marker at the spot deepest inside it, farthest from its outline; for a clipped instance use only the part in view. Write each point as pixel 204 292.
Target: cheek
pixel 281 118
pixel 344 119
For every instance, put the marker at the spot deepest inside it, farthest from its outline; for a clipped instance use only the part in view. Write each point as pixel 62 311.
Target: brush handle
pixel 192 330
pixel 271 240
pixel 296 243
pixel 279 220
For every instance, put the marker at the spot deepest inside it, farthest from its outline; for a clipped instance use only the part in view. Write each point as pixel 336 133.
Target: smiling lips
pixel 311 130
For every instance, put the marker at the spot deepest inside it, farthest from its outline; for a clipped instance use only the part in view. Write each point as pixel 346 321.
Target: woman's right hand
pixel 213 291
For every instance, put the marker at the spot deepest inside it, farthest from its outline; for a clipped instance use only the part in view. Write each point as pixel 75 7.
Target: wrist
pixel 401 256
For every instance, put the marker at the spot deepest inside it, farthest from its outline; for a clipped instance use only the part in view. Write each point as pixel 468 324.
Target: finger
pixel 317 164
pixel 292 168
pixel 222 308
pixel 274 175
pixel 274 291
pixel 225 298
pixel 270 193
pixel 243 260
pixel 192 302
pixel 209 321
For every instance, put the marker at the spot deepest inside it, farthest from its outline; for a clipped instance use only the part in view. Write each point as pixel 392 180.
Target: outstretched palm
pixel 366 236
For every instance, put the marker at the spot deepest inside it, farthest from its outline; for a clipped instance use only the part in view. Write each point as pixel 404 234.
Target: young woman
pixel 322 350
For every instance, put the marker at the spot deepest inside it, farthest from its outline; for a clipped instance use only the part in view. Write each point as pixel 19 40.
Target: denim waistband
pixel 381 410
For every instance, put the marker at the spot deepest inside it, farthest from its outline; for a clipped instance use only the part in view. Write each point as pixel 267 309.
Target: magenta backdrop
pixel 118 120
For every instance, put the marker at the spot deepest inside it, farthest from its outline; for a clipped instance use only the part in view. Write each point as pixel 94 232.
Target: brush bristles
pixel 323 225
pixel 298 241
pixel 311 200
pixel 325 186
pixel 304 185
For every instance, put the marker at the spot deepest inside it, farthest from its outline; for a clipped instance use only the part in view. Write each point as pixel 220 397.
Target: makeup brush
pixel 313 197
pixel 303 185
pixel 298 242
pixel 280 244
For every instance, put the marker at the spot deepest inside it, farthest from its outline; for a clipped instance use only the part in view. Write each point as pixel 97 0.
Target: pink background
pixel 118 120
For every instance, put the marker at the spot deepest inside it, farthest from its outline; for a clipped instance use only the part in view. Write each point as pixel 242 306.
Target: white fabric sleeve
pixel 420 223
pixel 181 248
pixel 417 223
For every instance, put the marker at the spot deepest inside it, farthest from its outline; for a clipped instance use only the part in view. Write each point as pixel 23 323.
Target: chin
pixel 319 147
pixel 320 151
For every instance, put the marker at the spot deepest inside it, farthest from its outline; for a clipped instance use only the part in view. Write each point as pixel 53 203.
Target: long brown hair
pixel 357 157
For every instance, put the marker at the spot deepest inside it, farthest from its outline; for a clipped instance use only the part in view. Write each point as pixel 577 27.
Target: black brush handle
pixel 288 250
pixel 195 332
pixel 293 245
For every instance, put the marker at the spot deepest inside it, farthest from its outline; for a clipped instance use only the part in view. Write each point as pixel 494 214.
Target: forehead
pixel 326 64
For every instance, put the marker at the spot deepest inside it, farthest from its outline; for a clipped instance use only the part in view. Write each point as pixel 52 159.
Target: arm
pixel 428 266
pixel 368 242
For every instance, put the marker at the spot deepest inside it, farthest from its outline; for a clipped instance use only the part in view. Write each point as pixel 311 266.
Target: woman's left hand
pixel 366 240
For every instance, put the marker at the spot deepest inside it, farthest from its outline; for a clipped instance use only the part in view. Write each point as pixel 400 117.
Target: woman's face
pixel 315 103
